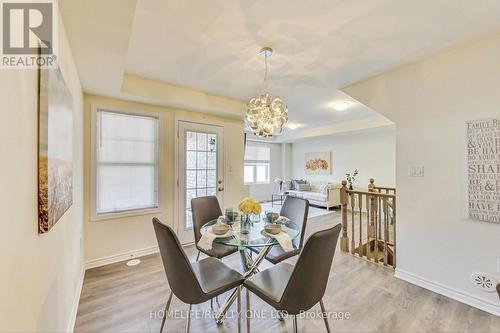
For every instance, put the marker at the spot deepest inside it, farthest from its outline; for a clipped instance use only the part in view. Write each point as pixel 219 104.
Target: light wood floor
pixel 117 298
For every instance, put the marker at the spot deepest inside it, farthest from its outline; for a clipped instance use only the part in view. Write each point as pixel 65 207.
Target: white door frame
pixel 176 189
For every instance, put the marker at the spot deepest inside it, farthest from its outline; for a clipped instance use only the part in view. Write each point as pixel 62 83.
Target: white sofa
pixel 322 194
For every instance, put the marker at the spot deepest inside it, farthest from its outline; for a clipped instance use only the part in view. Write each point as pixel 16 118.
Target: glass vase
pixel 245 224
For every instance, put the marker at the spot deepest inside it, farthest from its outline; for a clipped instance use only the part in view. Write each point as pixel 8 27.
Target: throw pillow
pixel 304 187
pixel 297 182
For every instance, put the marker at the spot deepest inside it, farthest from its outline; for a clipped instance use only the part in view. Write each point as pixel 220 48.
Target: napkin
pixel 207 240
pixel 284 240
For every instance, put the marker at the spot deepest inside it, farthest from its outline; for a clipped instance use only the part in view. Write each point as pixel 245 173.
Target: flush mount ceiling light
pixel 266 115
pixel 293 126
pixel 341 106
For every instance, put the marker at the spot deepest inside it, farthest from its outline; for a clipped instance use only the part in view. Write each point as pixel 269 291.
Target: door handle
pixel 220 189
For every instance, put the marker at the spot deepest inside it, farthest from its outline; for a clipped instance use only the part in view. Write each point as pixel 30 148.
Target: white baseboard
pixel 121 257
pixel 457 295
pixel 76 301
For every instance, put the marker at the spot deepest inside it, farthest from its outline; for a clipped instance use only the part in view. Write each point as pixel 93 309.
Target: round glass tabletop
pixel 251 234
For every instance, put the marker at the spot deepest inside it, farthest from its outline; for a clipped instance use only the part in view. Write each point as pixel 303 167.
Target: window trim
pixel 94 216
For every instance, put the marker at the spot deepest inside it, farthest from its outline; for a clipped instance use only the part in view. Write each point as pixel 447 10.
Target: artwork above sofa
pixel 318 163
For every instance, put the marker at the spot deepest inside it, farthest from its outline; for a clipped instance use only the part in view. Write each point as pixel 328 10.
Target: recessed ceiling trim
pixel 181 97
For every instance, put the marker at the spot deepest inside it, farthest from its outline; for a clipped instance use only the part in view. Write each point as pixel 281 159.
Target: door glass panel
pixel 212 161
pixel 191 141
pixel 211 175
pixel 201 179
pixel 201 141
pixel 191 160
pixel 191 179
pixel 201 168
pixel 201 160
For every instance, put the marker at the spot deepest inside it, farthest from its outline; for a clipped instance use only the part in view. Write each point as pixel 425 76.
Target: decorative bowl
pixel 273 229
pixel 220 229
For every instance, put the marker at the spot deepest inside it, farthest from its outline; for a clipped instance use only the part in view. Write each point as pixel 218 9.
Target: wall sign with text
pixel 483 153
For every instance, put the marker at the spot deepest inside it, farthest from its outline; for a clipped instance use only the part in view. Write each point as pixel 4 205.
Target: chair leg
pixel 198 256
pixel 239 309
pixel 188 321
pixel 324 315
pixel 280 316
pixel 166 311
pixel 248 311
pixel 295 324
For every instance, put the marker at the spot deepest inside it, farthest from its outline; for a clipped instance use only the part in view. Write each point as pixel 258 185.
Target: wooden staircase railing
pixel 371 223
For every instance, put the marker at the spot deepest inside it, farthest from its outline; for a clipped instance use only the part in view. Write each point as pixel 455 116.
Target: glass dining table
pixel 245 236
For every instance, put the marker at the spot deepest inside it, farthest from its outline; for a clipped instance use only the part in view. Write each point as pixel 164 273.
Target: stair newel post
pixel 368 216
pixel 360 207
pixel 394 231
pixel 352 199
pixel 344 200
pixel 371 186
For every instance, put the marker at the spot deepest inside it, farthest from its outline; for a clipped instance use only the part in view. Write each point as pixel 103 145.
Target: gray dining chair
pixel 293 289
pixel 206 209
pixel 296 209
pixel 197 282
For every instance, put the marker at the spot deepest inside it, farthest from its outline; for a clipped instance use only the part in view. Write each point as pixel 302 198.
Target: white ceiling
pixel 320 46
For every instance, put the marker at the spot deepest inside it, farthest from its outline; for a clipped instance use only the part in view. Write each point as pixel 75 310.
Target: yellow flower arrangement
pixel 250 206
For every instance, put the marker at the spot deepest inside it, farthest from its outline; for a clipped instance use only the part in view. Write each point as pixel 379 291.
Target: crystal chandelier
pixel 266 115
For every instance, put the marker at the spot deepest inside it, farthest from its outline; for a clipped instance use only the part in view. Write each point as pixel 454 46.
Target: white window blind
pixel 126 162
pixel 257 153
pixel 257 164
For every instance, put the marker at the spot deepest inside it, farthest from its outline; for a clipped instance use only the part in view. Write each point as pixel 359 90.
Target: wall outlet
pixel 415 171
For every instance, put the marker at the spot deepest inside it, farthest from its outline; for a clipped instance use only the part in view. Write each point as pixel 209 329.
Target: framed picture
pixel 55 148
pixel 483 164
pixel 318 163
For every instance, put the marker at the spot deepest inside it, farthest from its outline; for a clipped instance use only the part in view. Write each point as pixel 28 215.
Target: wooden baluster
pixel 360 206
pixel 372 206
pixel 368 243
pixel 344 199
pixel 353 244
pixel 394 230
pixel 384 205
pixel 373 217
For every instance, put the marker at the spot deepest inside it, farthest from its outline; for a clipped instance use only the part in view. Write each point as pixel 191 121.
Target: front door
pixel 200 170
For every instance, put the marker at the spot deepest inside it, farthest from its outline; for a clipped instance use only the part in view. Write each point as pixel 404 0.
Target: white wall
pixel 372 152
pixel 263 192
pixel 39 274
pixel 430 101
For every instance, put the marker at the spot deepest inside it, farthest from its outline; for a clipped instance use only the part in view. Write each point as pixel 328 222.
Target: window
pixel 257 164
pixel 125 163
